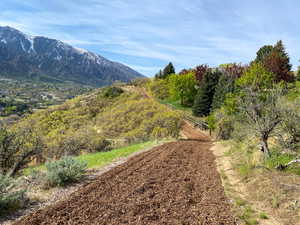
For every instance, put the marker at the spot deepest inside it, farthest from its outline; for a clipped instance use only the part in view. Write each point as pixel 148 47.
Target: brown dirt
pixel 175 183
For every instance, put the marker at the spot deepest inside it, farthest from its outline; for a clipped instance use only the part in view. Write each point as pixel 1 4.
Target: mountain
pixel 44 59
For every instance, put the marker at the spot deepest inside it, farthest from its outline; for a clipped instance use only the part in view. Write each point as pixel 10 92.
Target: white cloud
pixel 186 32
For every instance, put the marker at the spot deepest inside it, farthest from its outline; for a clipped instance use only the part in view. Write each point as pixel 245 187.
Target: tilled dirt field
pixel 176 183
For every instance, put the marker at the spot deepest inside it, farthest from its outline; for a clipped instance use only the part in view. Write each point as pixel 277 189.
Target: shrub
pixel 17 149
pixel 159 89
pixel 64 171
pixel 10 197
pixel 99 145
pixel 225 129
pixel 112 92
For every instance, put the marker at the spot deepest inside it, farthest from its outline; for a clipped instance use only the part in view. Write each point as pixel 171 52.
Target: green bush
pixel 159 89
pixel 277 159
pixel 64 171
pixel 10 197
pixel 112 92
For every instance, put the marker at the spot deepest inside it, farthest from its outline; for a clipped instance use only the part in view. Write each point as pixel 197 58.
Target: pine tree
pixel 224 87
pixel 204 97
pixel 298 74
pixel 226 84
pixel 159 75
pixel 263 52
pixel 169 69
pixel 276 60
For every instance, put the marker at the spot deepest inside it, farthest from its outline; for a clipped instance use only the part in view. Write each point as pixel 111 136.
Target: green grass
pixel 176 104
pixel 100 159
pixel 277 159
pixel 263 216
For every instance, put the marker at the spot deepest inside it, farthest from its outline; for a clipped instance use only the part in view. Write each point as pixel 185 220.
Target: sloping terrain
pixel 49 60
pixel 176 183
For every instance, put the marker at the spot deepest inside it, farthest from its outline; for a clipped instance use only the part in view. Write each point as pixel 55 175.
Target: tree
pixel 203 100
pixel 159 75
pixel 183 87
pixel 261 112
pixel 276 60
pixel 257 77
pixel 17 149
pixel 200 71
pixel 263 52
pixel 168 70
pixel 185 71
pixel 226 84
pixel 257 102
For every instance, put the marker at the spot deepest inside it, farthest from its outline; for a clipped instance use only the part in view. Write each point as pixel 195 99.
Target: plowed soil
pixel 176 183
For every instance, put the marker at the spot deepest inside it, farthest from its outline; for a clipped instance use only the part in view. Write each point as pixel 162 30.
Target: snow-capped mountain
pixel 28 57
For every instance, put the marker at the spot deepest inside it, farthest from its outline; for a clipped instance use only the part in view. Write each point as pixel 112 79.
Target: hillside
pixel 106 118
pixel 43 59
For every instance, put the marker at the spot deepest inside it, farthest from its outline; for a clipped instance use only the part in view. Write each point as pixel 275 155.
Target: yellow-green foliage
pixel 256 76
pixel 159 88
pixel 183 87
pixel 138 119
pixel 84 123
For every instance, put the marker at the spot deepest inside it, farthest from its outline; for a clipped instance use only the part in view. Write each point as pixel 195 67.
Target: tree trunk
pixel 265 147
pixel 14 170
pixel 181 97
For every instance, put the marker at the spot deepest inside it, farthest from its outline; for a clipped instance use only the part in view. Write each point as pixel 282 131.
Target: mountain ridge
pixel 42 58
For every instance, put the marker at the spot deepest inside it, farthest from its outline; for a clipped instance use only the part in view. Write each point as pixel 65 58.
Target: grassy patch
pixel 248 215
pixel 263 216
pixel 96 160
pixel 282 159
pixel 176 104
pixel 100 159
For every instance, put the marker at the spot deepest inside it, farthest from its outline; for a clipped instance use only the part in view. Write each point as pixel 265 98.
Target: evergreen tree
pixel 159 75
pixel 226 84
pixel 224 87
pixel 169 69
pixel 204 97
pixel 263 52
pixel 276 60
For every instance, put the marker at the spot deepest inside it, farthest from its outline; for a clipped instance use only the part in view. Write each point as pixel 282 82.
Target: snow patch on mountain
pixel 81 50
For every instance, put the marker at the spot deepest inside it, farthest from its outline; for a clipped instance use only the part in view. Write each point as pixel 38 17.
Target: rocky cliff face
pixel 41 58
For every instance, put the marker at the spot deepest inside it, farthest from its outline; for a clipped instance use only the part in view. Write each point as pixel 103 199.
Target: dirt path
pixel 175 183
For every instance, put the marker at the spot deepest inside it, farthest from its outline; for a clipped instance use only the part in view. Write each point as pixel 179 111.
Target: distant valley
pixel 36 72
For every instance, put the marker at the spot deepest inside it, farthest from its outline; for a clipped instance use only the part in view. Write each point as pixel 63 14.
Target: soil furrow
pixel 176 183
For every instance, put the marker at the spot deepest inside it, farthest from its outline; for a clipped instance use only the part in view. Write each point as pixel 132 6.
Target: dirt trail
pixel 175 183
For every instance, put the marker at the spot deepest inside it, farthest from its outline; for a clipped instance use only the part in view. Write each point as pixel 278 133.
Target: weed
pixel 263 216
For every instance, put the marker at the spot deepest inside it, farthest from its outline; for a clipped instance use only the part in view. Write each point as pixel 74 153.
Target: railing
pixel 197 123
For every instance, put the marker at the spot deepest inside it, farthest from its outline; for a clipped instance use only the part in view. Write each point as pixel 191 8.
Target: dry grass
pixel 261 196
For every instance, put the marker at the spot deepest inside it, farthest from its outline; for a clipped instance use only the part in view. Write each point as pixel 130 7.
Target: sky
pixel 147 34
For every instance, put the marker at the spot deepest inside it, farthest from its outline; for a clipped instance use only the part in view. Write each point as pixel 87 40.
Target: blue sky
pixel 147 34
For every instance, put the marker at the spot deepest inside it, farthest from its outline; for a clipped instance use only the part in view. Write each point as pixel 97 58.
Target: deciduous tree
pixel 183 87
pixel 17 149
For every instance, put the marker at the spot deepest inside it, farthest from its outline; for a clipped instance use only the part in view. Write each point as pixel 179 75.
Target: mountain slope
pixel 45 59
